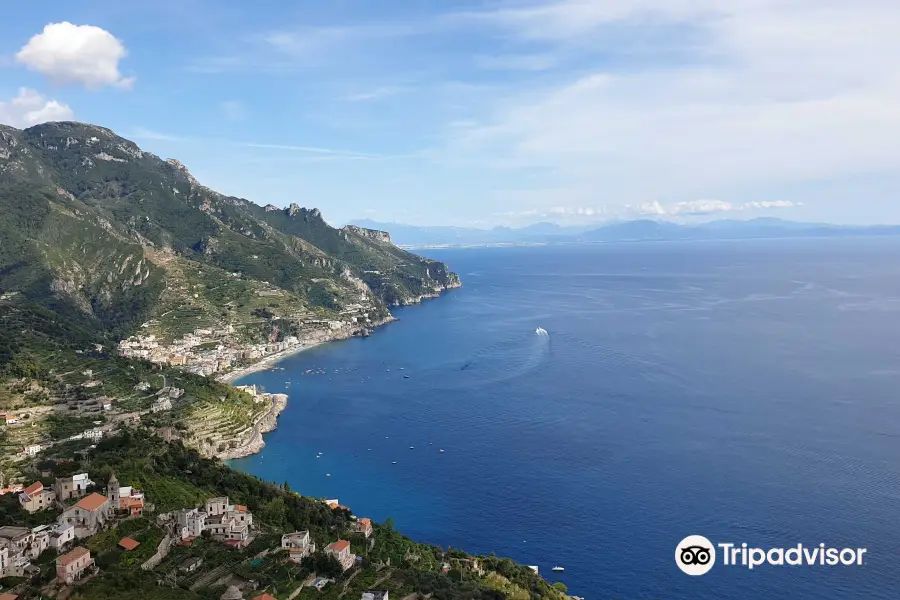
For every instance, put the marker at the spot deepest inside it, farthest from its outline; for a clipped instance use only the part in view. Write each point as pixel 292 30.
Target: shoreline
pixel 267 423
pixel 280 401
pixel 272 359
pixel 265 363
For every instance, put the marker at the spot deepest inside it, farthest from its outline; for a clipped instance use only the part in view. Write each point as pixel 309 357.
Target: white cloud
pixel 31 108
pixel 762 92
pixel 82 54
pixel 708 207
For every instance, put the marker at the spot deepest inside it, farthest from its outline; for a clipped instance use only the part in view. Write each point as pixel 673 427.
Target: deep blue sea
pixel 745 391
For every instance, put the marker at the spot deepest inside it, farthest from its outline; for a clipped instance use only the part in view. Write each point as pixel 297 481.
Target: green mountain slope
pixel 92 226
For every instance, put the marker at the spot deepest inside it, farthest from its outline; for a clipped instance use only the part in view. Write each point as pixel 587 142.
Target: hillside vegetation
pixel 96 229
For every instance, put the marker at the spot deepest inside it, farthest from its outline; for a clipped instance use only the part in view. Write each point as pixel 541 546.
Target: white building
pixel 61 536
pixel 298 545
pixel 190 522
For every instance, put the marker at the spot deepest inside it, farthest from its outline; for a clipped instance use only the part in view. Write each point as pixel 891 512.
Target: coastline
pixel 267 423
pixel 280 401
pixel 265 363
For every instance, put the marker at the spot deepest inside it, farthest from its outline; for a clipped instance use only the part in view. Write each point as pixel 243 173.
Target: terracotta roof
pixel 34 488
pixel 129 543
pixel 92 502
pixel 8 597
pixel 261 597
pixel 365 522
pixel 131 502
pixel 339 545
pixel 72 556
pixel 240 508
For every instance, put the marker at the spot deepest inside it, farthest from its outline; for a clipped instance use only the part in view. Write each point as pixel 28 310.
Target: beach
pixel 264 363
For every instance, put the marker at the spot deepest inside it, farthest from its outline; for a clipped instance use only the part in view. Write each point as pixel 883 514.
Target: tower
pixel 112 493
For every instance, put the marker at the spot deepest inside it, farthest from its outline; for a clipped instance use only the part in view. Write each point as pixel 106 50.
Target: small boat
pixel 442 450
pixel 394 462
pixel 329 475
pixel 412 447
pixel 406 377
pixel 558 568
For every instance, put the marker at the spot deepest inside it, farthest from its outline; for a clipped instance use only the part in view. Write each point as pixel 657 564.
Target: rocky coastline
pixel 254 443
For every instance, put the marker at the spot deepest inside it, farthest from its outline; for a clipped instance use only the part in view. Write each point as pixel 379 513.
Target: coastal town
pixel 220 352
pixel 85 515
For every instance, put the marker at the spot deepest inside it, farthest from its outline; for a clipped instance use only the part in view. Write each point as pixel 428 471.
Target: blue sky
pixel 482 112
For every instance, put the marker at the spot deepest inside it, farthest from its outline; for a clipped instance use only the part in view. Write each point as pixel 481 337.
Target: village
pixel 87 514
pixel 215 351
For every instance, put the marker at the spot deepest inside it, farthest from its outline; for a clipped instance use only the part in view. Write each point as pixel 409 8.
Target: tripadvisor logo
pixel 696 555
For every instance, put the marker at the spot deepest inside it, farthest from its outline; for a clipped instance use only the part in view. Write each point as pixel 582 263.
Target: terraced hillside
pixel 112 236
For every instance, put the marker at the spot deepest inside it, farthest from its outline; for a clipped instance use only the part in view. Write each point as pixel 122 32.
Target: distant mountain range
pixel 621 231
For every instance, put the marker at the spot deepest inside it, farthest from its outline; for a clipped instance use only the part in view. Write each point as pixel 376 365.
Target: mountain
pixel 413 236
pixel 618 231
pixel 94 228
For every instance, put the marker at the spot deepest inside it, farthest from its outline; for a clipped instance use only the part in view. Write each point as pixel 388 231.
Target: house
pixel 71 566
pixel 363 526
pixel 217 506
pixel 232 593
pixel 161 405
pixel 61 536
pixel 133 506
pixel 10 419
pixel 189 565
pixel 128 543
pixel 88 515
pixel 190 523
pixel 40 539
pixel 341 551
pixel 95 434
pixel 224 528
pixel 260 597
pixel 5 596
pixel 298 545
pixel 124 499
pixel 228 522
pixel 75 486
pixel 35 497
pixel 17 539
pixel 375 595
pixel 31 449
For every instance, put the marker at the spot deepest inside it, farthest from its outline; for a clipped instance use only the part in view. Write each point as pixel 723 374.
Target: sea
pixel 746 391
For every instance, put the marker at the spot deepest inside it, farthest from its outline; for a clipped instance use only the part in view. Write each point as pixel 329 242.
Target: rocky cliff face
pixel 382 237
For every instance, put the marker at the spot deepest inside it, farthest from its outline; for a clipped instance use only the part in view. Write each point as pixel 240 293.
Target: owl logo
pixel 695 555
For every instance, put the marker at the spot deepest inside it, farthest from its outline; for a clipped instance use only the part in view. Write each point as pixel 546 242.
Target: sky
pixel 487 112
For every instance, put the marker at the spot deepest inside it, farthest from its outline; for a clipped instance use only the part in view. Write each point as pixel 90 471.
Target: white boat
pixel 442 450
pixel 558 568
pixel 541 331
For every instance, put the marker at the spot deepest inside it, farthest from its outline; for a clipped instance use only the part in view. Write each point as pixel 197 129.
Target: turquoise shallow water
pixel 744 391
